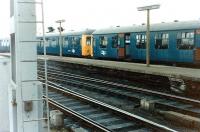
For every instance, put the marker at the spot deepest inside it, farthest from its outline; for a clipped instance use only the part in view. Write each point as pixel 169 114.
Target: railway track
pixel 98 115
pixel 71 123
pixel 161 100
pixel 104 88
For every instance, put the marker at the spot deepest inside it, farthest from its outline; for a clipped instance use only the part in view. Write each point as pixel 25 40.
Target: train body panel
pixel 169 42
pixel 72 46
pixel 53 47
pixel 103 48
pixel 52 44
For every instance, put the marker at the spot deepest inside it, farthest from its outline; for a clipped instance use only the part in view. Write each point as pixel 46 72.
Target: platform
pixel 168 71
pixel 160 70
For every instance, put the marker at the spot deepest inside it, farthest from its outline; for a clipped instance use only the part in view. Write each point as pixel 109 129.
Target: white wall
pixel 4 81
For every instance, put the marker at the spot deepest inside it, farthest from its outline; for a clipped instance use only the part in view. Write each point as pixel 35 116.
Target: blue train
pixel 4 45
pixel 77 44
pixel 169 42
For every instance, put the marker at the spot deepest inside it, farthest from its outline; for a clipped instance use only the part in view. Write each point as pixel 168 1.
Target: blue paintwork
pixel 50 49
pixel 40 47
pixel 53 50
pixel 172 54
pixel 70 49
pixel 4 45
pixel 108 52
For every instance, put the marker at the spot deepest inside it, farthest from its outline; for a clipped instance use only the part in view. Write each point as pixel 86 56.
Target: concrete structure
pixel 25 89
pixel 4 81
pixel 167 71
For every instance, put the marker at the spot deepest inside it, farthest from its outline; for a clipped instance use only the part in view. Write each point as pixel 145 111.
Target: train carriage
pixel 73 44
pixel 111 43
pixel 4 45
pixel 169 42
pixel 78 43
pixel 52 44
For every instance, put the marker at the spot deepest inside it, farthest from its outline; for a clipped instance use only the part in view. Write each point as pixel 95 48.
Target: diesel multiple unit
pixel 172 42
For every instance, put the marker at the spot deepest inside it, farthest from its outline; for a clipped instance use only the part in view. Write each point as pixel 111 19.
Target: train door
pixel 197 48
pixel 121 46
pixel 89 45
pixel 127 42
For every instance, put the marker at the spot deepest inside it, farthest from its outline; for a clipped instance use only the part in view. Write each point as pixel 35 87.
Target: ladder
pixel 27 104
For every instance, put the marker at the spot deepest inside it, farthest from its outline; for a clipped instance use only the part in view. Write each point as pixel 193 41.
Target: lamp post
pixel 60 36
pixel 148 8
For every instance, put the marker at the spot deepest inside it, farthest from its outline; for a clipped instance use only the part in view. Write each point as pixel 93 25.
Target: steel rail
pixel 78 116
pixel 132 97
pixel 99 103
pixel 182 99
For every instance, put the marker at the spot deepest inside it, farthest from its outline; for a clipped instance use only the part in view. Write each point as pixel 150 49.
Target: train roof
pixel 154 27
pixel 71 33
pixel 85 32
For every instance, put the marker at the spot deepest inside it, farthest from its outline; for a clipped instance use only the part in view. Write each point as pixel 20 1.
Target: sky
pixel 96 14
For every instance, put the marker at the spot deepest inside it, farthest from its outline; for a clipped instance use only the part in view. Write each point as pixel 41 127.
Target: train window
pixel 127 39
pixel 66 42
pixel 50 42
pixel 53 42
pixel 74 40
pixel 47 42
pixel 141 41
pixel 40 43
pixel 114 41
pixel 88 40
pixel 103 42
pixel 94 42
pixel 161 41
pixel 185 40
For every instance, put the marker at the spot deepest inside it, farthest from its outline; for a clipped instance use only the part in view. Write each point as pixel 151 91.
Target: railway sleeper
pixel 177 85
pixel 186 120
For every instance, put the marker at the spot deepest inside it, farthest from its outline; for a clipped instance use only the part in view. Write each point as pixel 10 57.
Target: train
pixel 4 45
pixel 172 42
pixel 77 44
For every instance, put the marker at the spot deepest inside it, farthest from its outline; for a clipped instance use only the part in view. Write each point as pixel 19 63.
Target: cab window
pixel 88 40
pixel 103 42
pixel 141 41
pixel 185 40
pixel 162 41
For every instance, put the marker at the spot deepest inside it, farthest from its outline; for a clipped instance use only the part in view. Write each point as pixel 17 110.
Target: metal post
pixel 148 8
pixel 60 36
pixel 45 70
pixel 148 39
pixel 60 42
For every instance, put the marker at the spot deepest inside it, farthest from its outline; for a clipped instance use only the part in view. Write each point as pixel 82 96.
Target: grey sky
pixel 81 14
